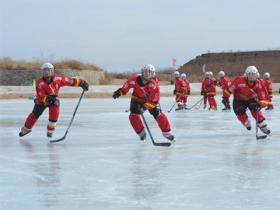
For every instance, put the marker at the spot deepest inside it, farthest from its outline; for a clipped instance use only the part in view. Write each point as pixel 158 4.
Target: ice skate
pixel 168 135
pixel 263 128
pixel 49 134
pixel 142 135
pixel 24 131
pixel 248 125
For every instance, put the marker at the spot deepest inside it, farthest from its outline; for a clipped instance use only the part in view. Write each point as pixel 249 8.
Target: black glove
pixel 174 92
pixel 84 85
pixel 189 92
pixel 52 100
pixel 117 93
pixel 202 93
pixel 254 104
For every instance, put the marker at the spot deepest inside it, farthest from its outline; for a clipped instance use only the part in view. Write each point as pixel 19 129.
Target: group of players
pixel 248 90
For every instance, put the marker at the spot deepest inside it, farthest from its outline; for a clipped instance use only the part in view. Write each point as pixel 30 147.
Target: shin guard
pixel 136 122
pixel 30 121
pixel 163 122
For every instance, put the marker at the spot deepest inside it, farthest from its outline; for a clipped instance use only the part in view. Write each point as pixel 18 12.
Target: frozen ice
pixel 215 162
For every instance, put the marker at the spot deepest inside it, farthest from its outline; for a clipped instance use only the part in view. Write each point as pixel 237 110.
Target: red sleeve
pixel 67 81
pixel 130 83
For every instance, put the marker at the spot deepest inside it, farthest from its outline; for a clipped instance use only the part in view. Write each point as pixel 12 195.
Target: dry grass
pixel 10 64
pixel 106 80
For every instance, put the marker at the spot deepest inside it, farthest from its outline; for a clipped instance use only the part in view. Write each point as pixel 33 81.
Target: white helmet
pixel 148 71
pixel 221 74
pixel 209 74
pixel 183 76
pixel 251 73
pixel 47 66
pixel 266 75
pixel 251 69
pixel 176 74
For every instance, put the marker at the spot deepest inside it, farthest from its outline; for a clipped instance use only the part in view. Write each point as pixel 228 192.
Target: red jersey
pixel 268 86
pixel 148 94
pixel 44 89
pixel 224 82
pixel 182 86
pixel 209 86
pixel 244 90
pixel 179 83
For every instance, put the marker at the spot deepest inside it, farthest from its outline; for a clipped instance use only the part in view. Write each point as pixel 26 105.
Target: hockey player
pixel 179 90
pixel 47 89
pixel 249 93
pixel 269 88
pixel 224 82
pixel 145 96
pixel 208 90
pixel 185 90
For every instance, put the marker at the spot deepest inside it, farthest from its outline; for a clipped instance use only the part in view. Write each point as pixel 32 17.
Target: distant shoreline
pixel 95 91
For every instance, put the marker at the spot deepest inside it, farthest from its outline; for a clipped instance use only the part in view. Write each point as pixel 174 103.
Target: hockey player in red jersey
pixel 224 83
pixel 180 91
pixel 269 88
pixel 145 96
pixel 248 92
pixel 47 89
pixel 208 90
pixel 184 92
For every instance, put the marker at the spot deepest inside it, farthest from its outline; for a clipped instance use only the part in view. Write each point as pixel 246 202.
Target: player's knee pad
pixel 240 110
pixel 155 112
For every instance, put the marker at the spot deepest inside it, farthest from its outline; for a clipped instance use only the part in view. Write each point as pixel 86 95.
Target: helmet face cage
pixel 208 74
pixel 48 72
pixel 221 74
pixel 176 74
pixel 251 73
pixel 183 76
pixel 148 72
pixel 266 75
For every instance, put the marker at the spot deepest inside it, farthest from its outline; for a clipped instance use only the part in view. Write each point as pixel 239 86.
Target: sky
pixel 124 35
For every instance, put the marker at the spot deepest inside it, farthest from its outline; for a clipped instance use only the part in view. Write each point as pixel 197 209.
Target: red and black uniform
pixel 268 86
pixel 208 89
pixel 43 92
pixel 250 95
pixel 145 96
pixel 182 90
pixel 224 83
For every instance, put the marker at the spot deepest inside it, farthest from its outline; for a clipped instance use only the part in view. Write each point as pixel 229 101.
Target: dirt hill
pixel 234 63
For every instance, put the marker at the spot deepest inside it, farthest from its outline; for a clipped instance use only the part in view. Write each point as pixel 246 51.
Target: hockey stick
pixel 172 107
pixel 78 104
pixel 200 100
pixel 199 105
pixel 164 144
pixel 257 120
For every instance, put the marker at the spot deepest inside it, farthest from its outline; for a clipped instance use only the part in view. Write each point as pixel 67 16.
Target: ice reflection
pixel 148 175
pixel 46 166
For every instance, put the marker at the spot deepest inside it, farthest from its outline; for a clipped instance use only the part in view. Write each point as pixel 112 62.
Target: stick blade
pixel 261 137
pixel 163 144
pixel 58 140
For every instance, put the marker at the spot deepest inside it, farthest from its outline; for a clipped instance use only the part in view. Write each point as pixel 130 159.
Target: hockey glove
pixel 52 100
pixel 117 93
pixel 84 85
pixel 254 104
pixel 202 93
pixel 174 92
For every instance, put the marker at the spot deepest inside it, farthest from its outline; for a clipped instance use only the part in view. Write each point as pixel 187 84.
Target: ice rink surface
pixel 215 162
